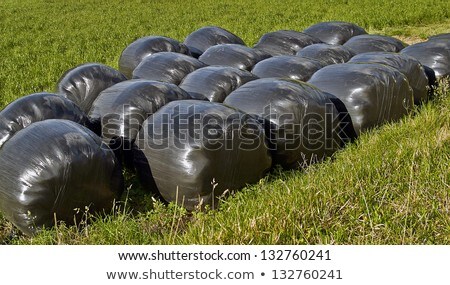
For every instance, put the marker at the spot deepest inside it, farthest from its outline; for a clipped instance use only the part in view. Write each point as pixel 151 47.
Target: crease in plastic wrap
pixel 202 39
pixel 287 66
pixel 303 126
pixel 193 152
pixel 369 43
pixel 83 83
pixel 334 32
pixel 372 93
pixel 32 108
pixel 326 53
pixel 233 55
pixel 133 54
pixel 407 65
pixel 119 111
pixel 214 83
pixel 167 67
pixel 56 168
pixel 284 42
pixel 434 54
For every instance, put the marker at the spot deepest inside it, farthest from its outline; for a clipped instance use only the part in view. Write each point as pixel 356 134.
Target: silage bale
pixel 167 67
pixel 56 170
pixel 434 54
pixel 407 65
pixel 368 43
pixel 334 32
pixel 202 39
pixel 284 42
pixel 133 54
pixel 83 83
pixel 193 151
pixel 372 93
pixel 29 109
pixel 287 66
pixel 214 83
pixel 233 55
pixel 119 111
pixel 326 53
pixel 301 123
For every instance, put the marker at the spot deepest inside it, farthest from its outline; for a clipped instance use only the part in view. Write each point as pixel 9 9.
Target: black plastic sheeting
pixel 83 83
pixel 372 93
pixel 167 67
pixel 335 32
pixel 133 54
pixel 326 53
pixel 440 37
pixel 214 83
pixel 284 42
pixel 29 109
pixel 120 110
pixel 193 151
pixel 434 54
pixel 233 55
pixel 287 66
pixel 56 168
pixel 301 122
pixel 202 39
pixel 407 65
pixel 368 43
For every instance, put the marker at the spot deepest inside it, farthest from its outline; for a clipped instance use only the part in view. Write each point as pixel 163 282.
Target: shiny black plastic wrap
pixel 445 36
pixel 287 66
pixel 368 43
pixel 301 122
pixel 326 53
pixel 372 93
pixel 133 54
pixel 214 83
pixel 83 83
pixel 434 54
pixel 170 67
pixel 334 32
pixel 56 169
pixel 284 42
pixel 202 39
pixel 407 65
pixel 119 111
pixel 233 55
pixel 29 109
pixel 193 151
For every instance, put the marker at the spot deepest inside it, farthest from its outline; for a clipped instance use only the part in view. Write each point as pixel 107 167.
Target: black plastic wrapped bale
pixel 285 42
pixel 55 169
pixel 83 83
pixel 214 83
pixel 368 43
pixel 372 93
pixel 301 122
pixel 133 54
pixel 29 109
pixel 170 67
pixel 287 66
pixel 335 32
pixel 326 53
pixel 407 65
pixel 233 55
pixel 193 151
pixel 202 39
pixel 445 36
pixel 119 111
pixel 434 54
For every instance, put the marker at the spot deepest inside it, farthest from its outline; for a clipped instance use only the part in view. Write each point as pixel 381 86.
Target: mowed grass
pixel 390 187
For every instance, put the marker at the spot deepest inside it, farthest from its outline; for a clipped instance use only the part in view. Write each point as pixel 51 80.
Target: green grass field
pixel 391 187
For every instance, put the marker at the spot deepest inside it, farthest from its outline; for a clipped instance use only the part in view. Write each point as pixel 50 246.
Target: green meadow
pixel 392 186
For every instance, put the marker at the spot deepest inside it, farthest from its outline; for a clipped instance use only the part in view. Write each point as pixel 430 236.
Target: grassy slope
pixel 390 187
